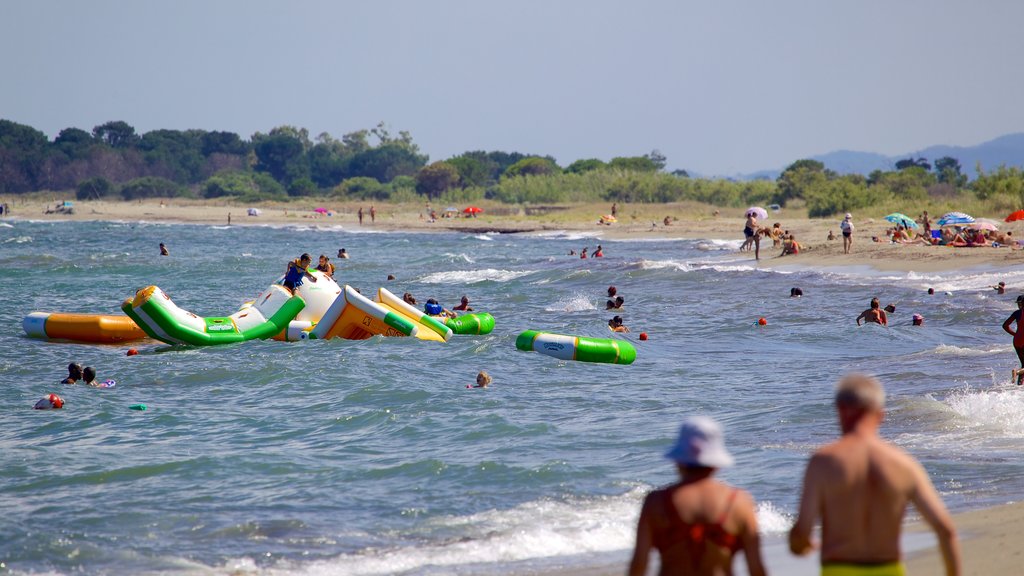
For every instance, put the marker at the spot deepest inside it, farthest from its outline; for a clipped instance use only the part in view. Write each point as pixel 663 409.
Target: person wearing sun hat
pixel 698 524
pixel 847 227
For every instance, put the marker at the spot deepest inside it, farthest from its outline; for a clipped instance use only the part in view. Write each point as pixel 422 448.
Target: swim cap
pixel 433 309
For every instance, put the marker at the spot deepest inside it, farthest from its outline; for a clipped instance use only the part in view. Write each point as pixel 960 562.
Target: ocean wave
pixel 713 244
pixel 999 409
pixel 5 225
pixel 473 276
pixel 18 240
pixel 949 350
pixel 460 257
pixel 565 235
pixel 484 237
pixel 662 264
pixel 575 303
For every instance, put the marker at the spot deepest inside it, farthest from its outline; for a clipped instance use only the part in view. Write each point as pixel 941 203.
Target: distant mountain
pixel 1008 150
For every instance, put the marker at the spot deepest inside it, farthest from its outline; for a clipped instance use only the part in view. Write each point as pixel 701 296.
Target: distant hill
pixel 1008 149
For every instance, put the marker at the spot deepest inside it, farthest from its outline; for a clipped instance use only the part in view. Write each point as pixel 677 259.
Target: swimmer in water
pixel 599 253
pixel 1000 288
pixel 74 373
pixel 917 320
pixel 795 292
pixel 342 253
pixel 612 291
pixel 875 314
pixel 483 379
pixel 615 304
pixel 89 376
pixel 408 298
pixel 463 305
pixel 616 325
pixel 163 250
pixel 325 266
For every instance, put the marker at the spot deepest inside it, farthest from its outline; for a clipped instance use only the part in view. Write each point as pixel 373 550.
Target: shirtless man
pixel 74 373
pixel 750 231
pixel 860 486
pixel 874 314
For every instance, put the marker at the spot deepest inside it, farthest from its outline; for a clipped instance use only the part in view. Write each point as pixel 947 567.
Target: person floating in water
pixel 612 290
pixel 296 271
pixel 616 325
pixel 615 304
pixel 1018 338
pixel 795 292
pixel 342 253
pixel 463 305
pixel 483 379
pixel 599 253
pixel 325 266
pixel 1000 288
pixel 917 320
pixel 698 524
pixel 74 373
pixel 874 314
pixel 163 250
pixel 89 376
pixel 583 254
pixel 408 298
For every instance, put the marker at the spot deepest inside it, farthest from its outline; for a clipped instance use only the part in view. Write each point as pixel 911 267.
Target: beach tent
pixel 254 211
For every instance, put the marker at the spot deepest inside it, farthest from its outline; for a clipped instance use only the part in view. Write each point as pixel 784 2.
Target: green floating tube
pixel 479 323
pixel 579 348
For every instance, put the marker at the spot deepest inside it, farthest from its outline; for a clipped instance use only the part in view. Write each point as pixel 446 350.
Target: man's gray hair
pixel 861 391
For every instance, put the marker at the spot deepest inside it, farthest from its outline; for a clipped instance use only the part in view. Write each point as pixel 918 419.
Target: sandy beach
pixel 985 533
pixel 690 221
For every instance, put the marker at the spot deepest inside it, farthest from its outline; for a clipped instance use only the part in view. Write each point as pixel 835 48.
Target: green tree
pixel 94 189
pixel 279 154
pixel 912 163
pixel 361 188
pixel 581 166
pixel 1005 181
pixel 472 171
pixel 224 143
pixel 947 171
pixel 435 179
pixel 246 186
pixel 152 187
pixel 657 158
pixel 74 142
pixel 532 166
pixel 635 164
pixel 385 162
pixel 799 178
pixel 116 134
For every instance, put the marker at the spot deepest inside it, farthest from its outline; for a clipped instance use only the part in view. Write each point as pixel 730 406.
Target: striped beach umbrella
pixel 955 219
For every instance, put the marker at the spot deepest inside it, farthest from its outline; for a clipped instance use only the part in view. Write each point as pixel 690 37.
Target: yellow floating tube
pixel 355 317
pixel 430 328
pixel 91 328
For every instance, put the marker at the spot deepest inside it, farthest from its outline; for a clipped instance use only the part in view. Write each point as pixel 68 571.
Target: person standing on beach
pixel 874 314
pixel 750 231
pixel 373 214
pixel 698 524
pixel 360 214
pixel 860 486
pixel 1018 338
pixel 615 209
pixel 847 227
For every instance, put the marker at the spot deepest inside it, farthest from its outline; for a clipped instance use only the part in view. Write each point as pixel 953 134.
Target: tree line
pixel 114 161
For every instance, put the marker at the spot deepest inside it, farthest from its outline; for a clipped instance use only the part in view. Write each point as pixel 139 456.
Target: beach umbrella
pixel 473 210
pixel 900 218
pixel 1018 215
pixel 451 209
pixel 983 224
pixel 955 219
pixel 758 211
pixel 320 210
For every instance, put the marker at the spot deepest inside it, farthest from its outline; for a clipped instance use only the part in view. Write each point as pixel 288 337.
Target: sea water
pixel 373 457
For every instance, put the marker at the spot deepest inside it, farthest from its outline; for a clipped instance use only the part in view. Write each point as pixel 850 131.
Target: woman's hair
pixel 487 377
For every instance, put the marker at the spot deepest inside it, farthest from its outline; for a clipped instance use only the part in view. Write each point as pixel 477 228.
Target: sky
pixel 720 88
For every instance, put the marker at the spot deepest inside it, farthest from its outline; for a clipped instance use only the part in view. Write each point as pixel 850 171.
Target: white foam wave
pixel 460 257
pixel 540 529
pixel 18 240
pixel 566 235
pixel 575 303
pixel 484 237
pixel 717 244
pixel 662 264
pixel 949 350
pixel 999 410
pixel 977 280
pixel 5 225
pixel 772 520
pixel 473 276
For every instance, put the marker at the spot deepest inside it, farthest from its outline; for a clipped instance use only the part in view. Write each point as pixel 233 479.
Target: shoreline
pixel 637 222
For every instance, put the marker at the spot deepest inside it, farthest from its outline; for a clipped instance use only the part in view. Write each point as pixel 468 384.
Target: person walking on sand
pixel 874 314
pixel 1018 338
pixel 615 209
pixel 698 524
pixel 360 214
pixel 847 227
pixel 373 214
pixel 750 231
pixel 860 486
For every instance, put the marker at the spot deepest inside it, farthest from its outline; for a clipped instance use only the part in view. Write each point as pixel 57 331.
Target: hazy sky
pixel 719 87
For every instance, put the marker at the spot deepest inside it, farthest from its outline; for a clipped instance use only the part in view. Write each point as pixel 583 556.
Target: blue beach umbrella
pixel 955 219
pixel 900 218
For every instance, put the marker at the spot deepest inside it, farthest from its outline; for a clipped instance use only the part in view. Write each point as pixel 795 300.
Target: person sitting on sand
pixel 483 379
pixel 698 524
pixel 463 306
pixel 297 270
pixel 616 325
pixel 874 314
pixel 74 373
pixel 831 236
pixel 790 246
pixel 776 234
pixel 1000 288
pixel 325 266
pixel 978 239
pixel 667 221
pixel 615 304
pixel 957 240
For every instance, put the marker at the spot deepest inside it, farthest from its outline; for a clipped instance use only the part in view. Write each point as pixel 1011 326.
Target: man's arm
pixel 929 504
pixel 861 317
pixel 885 318
pixel 800 542
pixel 1006 325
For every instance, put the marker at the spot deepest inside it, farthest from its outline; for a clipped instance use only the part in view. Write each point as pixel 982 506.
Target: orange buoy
pixel 643 335
pixel 132 352
pixel 762 322
pixel 49 401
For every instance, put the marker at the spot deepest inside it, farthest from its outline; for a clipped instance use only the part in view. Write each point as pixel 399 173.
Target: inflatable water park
pixel 318 309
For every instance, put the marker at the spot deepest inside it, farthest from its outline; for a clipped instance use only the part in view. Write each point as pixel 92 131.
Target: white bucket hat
pixel 849 216
pixel 700 443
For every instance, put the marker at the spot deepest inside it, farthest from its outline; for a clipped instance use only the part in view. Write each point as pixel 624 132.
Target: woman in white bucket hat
pixel 698 524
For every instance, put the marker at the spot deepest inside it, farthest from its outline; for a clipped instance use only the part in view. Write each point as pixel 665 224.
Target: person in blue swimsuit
pixel 296 271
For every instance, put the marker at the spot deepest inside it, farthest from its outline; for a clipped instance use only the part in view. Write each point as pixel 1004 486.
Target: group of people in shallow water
pixel 598 253
pixel 858 487
pixel 86 375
